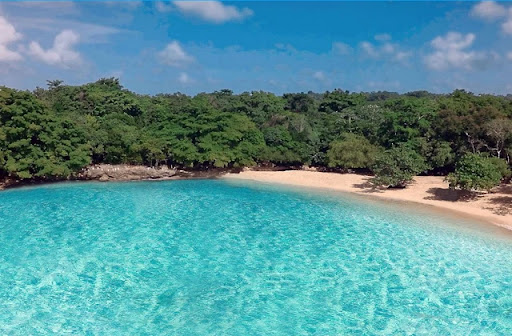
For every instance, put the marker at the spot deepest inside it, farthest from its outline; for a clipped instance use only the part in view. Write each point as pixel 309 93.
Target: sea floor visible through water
pixel 216 257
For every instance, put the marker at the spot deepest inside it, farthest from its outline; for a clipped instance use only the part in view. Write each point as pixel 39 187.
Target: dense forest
pixel 54 132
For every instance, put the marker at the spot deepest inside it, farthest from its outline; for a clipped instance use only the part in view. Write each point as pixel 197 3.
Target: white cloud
pixel 377 51
pixel 52 8
pixel 450 51
pixel 8 34
pixel 388 48
pixel 45 4
pixel 341 48
pixel 174 55
pixel 88 32
pixel 128 4
pixel 384 50
pixel 285 47
pixel 509 55
pixel 488 10
pixel 184 78
pixel 163 7
pixel 402 55
pixel 453 40
pixel 213 11
pixel 507 25
pixel 382 37
pixel 492 11
pixel 61 53
pixel 369 49
pixel 319 75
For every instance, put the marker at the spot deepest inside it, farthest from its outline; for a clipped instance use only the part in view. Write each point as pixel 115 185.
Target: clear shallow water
pixel 218 258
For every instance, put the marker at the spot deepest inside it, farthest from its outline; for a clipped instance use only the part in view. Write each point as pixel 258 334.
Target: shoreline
pixel 121 173
pixel 490 208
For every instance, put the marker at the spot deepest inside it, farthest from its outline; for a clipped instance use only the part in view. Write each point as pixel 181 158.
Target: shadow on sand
pixel 504 189
pixel 451 195
pixel 501 205
pixel 368 187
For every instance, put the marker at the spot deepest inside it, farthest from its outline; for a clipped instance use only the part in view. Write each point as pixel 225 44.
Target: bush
pixel 353 151
pixel 478 172
pixel 502 167
pixel 396 167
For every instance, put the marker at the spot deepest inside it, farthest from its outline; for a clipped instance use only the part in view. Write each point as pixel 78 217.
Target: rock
pixel 126 173
pixel 309 168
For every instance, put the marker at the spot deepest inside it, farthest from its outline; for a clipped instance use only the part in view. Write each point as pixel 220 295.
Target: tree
pixel 36 144
pixel 478 172
pixel 406 119
pixel 351 151
pixel 396 167
pixel 200 136
pixel 462 116
pixel 502 166
pixel 499 131
pixel 299 102
pixel 438 154
pixel 338 100
pixel 54 84
pixel 53 132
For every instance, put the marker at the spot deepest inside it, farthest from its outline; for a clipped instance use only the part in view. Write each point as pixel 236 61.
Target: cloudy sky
pixel 273 46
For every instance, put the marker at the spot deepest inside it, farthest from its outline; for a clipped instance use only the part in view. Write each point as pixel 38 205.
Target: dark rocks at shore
pixel 111 173
pixel 124 172
pixel 107 172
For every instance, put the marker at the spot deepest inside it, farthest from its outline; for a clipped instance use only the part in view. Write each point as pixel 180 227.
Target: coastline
pixel 122 173
pixel 494 208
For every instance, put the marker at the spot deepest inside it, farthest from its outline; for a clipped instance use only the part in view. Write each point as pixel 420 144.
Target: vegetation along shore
pixel 462 139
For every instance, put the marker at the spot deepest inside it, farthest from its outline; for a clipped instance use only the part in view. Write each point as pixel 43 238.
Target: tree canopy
pixel 478 172
pixel 53 132
pixel 397 166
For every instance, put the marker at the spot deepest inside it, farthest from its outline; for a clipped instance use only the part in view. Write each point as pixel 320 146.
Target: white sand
pixel 495 207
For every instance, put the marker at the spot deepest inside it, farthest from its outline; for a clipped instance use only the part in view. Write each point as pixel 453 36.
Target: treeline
pixel 54 132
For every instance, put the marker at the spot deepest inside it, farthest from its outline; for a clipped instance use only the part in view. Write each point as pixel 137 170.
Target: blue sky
pixel 273 46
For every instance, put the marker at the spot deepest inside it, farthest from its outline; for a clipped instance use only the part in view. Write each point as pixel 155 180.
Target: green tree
pixel 478 172
pixel 499 131
pixel 438 154
pixel 200 136
pixel 35 143
pixel 351 151
pixel 55 131
pixel 397 167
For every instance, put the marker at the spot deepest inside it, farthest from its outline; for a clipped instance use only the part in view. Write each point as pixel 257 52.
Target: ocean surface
pixel 213 257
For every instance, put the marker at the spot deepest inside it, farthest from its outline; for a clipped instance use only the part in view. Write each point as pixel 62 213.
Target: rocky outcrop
pixel 105 172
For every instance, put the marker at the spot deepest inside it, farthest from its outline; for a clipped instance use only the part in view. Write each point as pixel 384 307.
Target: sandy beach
pixel 495 207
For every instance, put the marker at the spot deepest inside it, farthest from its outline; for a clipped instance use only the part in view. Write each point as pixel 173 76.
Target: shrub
pixel 352 151
pixel 478 172
pixel 396 167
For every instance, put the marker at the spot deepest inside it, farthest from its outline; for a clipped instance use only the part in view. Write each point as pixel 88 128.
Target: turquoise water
pixel 205 257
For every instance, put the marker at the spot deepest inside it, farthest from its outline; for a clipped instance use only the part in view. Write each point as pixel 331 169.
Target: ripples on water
pixel 218 258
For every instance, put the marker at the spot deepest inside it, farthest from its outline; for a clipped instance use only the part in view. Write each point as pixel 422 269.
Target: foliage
pixel 478 172
pixel 352 151
pixel 54 132
pixel 34 143
pixel 396 167
pixel 502 167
